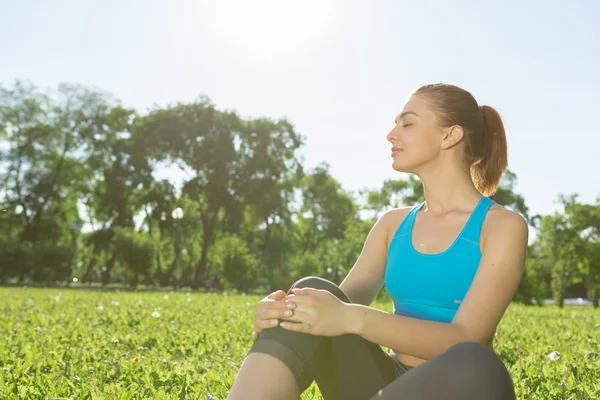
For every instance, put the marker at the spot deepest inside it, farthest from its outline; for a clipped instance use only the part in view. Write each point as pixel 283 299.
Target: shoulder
pixel 392 219
pixel 395 216
pixel 502 224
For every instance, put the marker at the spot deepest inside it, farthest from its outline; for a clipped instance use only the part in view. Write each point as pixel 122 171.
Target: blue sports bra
pixel 432 286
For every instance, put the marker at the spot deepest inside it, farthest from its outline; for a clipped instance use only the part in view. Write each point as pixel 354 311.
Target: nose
pixel 391 137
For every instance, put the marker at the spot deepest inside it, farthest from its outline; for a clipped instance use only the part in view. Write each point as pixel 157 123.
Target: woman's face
pixel 416 137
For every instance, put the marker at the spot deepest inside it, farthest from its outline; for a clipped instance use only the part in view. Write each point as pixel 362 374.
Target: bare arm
pixel 366 277
pixel 493 287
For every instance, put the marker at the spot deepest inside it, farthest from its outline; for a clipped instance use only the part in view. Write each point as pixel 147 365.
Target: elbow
pixel 464 334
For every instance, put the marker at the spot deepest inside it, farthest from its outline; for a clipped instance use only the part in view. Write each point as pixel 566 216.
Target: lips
pixel 396 150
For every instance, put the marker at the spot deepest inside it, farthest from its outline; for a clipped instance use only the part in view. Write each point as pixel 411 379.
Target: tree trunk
pixel 201 266
pixel 594 290
pixel 106 274
pixel 151 232
pixel 206 242
pixel 88 271
pixel 177 248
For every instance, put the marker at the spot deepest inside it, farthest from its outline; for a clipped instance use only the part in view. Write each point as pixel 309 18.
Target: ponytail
pixel 485 139
pixel 487 171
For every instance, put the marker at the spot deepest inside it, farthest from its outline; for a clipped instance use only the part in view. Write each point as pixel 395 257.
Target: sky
pixel 339 70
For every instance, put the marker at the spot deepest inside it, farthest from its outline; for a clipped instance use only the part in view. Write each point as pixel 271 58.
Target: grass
pixel 78 344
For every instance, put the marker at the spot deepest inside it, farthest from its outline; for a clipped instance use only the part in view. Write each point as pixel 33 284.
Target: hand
pixel 269 310
pixel 318 312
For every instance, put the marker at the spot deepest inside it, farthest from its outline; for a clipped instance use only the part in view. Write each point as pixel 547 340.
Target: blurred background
pixel 239 145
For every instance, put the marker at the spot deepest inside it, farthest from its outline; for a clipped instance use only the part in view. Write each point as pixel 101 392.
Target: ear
pixel 452 136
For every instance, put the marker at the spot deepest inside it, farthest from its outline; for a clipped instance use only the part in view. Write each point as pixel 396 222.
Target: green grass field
pixel 78 344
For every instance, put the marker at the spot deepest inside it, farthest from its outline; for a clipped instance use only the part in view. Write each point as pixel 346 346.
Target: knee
pixel 316 282
pixel 477 361
pixel 474 354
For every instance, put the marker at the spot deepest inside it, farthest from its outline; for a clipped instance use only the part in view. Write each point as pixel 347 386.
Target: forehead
pixel 417 105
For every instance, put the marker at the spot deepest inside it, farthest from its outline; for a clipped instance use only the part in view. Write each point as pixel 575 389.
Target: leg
pixel 263 376
pixel 467 370
pixel 344 366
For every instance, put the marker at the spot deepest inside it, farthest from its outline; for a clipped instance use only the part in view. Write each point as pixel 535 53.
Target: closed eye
pixel 405 125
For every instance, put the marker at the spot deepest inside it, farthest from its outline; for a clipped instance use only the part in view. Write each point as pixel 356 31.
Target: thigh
pixel 356 369
pixel 466 370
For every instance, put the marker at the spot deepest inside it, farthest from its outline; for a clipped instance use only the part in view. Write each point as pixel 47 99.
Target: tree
pixel 561 249
pixel 506 196
pixel 585 219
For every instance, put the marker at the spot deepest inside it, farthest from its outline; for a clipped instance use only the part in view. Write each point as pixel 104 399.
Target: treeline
pixel 82 201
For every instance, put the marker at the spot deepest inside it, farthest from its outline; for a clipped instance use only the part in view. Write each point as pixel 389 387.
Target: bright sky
pixel 339 70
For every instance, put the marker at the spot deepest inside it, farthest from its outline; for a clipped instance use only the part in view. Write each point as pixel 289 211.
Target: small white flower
pixel 5 369
pixel 77 319
pixel 57 298
pixel 116 341
pixel 115 303
pixel 555 355
pixel 38 329
pixel 329 270
pixel 243 294
pixel 166 297
pixel 189 300
pixel 100 307
pixel 77 378
pixel 155 314
pixel 224 293
pixel 75 280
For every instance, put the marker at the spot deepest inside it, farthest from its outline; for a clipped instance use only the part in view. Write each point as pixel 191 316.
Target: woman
pixel 451 266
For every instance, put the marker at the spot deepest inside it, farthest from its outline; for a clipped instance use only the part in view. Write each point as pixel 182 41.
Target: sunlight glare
pixel 269 27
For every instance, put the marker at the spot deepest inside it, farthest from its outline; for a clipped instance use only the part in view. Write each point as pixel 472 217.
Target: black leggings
pixel 350 367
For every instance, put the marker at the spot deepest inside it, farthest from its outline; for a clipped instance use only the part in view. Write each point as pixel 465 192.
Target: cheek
pixel 417 150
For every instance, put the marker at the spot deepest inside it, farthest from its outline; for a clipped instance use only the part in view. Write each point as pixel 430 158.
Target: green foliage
pixel 83 188
pixel 73 343
pixel 135 251
pixel 235 265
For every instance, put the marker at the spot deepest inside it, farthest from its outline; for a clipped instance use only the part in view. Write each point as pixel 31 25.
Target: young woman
pixel 451 265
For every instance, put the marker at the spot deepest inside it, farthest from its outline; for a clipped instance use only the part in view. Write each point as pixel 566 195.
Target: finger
pixel 301 299
pixel 272 314
pixel 301 317
pixel 310 308
pixel 308 291
pixel 276 304
pixel 280 294
pixel 301 327
pixel 265 324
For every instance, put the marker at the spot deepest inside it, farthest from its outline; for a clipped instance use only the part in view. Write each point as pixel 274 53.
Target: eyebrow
pixel 403 114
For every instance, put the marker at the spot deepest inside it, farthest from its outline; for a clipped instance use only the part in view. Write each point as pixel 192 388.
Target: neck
pixel 447 189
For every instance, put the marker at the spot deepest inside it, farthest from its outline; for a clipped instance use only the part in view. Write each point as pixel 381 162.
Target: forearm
pixel 358 295
pixel 418 338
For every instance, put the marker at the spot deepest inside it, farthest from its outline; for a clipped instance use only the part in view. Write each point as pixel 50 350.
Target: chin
pixel 401 168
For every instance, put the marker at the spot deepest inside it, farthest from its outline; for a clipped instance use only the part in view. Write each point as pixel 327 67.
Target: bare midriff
pixel 412 361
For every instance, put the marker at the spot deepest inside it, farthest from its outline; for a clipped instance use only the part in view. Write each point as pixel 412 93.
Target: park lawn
pixel 88 344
